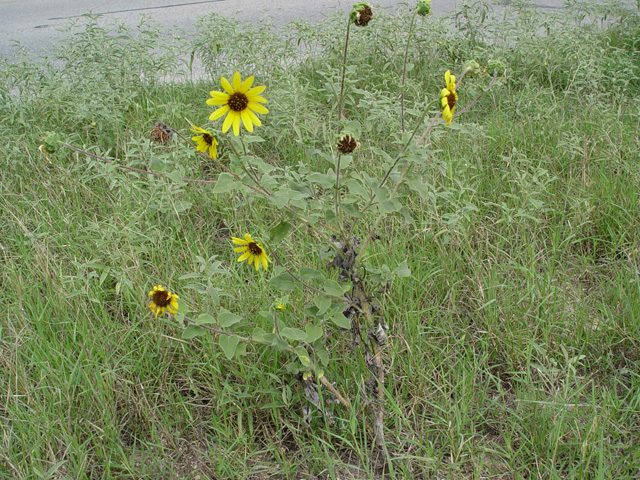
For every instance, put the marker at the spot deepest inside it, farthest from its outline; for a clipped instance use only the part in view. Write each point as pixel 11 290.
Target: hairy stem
pixel 344 69
pixel 404 69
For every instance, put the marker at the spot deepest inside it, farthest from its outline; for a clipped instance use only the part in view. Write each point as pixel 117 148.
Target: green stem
pixel 255 179
pixel 344 70
pixel 404 69
pixel 381 216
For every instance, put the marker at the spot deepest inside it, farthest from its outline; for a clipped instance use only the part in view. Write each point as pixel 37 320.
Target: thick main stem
pixel 378 364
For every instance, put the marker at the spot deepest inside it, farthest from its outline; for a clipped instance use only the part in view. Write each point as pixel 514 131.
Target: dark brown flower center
pixel 364 16
pixel 208 139
pixel 254 248
pixel 347 144
pixel 238 102
pixel 161 298
pixel 451 100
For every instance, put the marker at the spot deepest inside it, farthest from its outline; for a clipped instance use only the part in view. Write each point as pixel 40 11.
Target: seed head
pixel 361 14
pixel 161 133
pixel 347 144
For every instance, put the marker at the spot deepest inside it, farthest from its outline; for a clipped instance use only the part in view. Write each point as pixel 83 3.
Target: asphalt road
pixel 36 23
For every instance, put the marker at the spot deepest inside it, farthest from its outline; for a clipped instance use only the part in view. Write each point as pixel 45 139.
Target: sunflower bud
pixel 361 14
pixel 49 143
pixel 424 7
pixel 496 67
pixel 347 144
pixel 472 67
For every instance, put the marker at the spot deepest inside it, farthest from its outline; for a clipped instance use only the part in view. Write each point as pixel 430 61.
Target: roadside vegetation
pixel 505 261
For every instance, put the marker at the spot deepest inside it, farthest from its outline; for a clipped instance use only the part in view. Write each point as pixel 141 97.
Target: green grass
pixel 514 343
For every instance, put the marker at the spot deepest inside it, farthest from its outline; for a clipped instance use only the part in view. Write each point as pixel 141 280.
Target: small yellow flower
pixel 280 306
pixel 205 141
pixel 238 101
pixel 252 251
pixel 449 97
pixel 162 300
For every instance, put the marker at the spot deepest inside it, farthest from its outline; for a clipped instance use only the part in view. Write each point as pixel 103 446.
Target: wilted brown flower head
pixel 361 14
pixel 161 133
pixel 347 144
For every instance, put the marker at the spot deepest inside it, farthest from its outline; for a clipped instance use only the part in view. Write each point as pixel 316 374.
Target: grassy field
pixel 513 345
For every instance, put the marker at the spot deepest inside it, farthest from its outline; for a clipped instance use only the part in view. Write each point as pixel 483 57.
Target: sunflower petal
pixel 237 82
pixel 228 121
pixel 239 241
pixel 244 256
pixel 263 259
pixel 246 120
pixel 257 107
pixel 256 91
pixel 219 112
pixel 257 98
pixel 236 124
pixel 246 85
pixel 247 237
pixel 254 119
pixel 240 249
pixel 226 85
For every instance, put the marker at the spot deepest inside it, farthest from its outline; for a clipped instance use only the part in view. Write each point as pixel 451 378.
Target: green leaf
pixel 353 127
pixel 309 274
pixel 303 355
pixel 227 319
pixel 205 319
pixel 340 320
pixel 249 139
pixel 323 304
pixel 157 165
pixel 356 188
pixel 402 270
pixel 228 344
pixel 345 161
pixel 351 209
pixel 323 356
pixel 192 331
pixel 259 335
pixel 225 183
pixel 176 176
pixel 313 333
pixel 390 205
pixel 333 288
pixel 325 180
pixel 280 198
pixel 182 206
pixel 284 281
pixel 280 344
pixel 280 231
pixel 293 334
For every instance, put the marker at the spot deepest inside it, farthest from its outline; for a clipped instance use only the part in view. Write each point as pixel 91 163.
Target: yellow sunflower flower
pixel 162 300
pixel 252 251
pixel 238 101
pixel 205 141
pixel 448 97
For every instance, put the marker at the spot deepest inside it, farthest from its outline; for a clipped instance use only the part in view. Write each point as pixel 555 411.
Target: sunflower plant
pixel 341 208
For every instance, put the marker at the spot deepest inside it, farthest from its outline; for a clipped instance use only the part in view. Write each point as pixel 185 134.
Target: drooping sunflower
pixel 448 97
pixel 205 141
pixel 238 101
pixel 252 251
pixel 162 300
